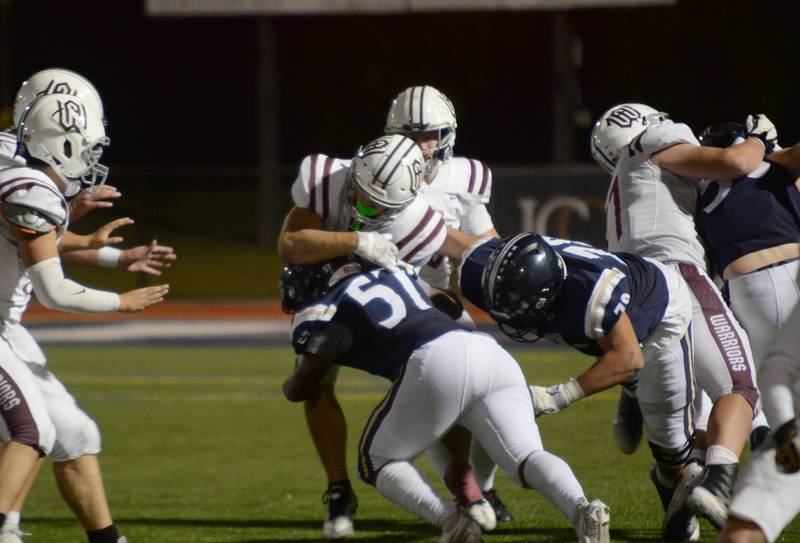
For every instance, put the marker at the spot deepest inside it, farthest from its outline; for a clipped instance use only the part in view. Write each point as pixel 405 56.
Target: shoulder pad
pixel 27 219
pixel 472 178
pixel 8 150
pixel 418 231
pixel 33 203
pixel 312 187
pixel 660 136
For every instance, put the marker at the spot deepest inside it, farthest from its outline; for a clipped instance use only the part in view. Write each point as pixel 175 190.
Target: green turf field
pixel 200 446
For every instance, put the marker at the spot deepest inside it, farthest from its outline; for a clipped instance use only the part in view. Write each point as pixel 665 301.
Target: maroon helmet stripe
pixel 471 176
pixel 426 241
pixel 485 180
pixel 417 229
pixel 326 187
pixel 312 185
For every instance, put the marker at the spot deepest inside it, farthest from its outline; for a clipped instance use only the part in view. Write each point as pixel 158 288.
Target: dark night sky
pixel 183 91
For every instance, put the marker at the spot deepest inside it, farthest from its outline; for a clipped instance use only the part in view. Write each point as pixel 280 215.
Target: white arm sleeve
pixel 55 291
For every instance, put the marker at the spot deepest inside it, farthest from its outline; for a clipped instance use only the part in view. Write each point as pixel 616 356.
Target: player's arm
pixel 621 359
pixel 103 236
pixel 149 259
pixel 788 158
pixel 456 243
pixel 696 162
pixel 304 382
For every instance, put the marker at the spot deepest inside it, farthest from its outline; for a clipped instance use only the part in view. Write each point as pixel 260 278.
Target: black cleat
pixel 712 496
pixel 500 510
pixel 342 504
pixel 758 436
pixel 679 522
pixel 628 423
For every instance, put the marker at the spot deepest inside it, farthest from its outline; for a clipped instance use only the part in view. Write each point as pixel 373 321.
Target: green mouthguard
pixel 365 211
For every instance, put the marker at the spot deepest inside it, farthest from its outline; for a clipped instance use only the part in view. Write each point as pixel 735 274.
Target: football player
pixel 459 188
pixel 146 259
pixel 358 207
pixel 442 374
pixel 61 138
pixel 604 305
pixel 655 166
pixel 767 494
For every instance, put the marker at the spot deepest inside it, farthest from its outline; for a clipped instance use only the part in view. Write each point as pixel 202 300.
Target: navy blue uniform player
pixel 633 313
pixel 442 375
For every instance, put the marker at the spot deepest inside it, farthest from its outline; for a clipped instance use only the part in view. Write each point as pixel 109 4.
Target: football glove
pixel 377 248
pixel 759 126
pixel 549 400
pixel 787 453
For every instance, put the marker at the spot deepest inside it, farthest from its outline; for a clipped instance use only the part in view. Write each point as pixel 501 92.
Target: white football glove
pixel 759 126
pixel 549 400
pixel 377 248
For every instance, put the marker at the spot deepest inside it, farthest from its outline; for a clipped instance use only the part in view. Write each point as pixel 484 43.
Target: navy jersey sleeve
pixel 316 331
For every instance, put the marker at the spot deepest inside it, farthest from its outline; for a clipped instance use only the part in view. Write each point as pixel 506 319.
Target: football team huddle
pixel 374 245
pixel 370 247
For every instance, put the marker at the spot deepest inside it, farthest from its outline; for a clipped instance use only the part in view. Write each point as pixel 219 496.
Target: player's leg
pixel 725 371
pixel 14 517
pixel 504 423
pixel 328 429
pixel 666 396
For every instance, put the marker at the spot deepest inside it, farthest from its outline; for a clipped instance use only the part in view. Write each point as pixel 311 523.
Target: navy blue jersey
pixel 748 214
pixel 599 288
pixel 372 321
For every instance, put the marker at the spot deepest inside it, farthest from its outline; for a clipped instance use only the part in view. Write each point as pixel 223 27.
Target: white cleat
pixel 459 527
pixel 592 521
pixel 122 539
pixel 10 537
pixel 482 512
pixel 338 527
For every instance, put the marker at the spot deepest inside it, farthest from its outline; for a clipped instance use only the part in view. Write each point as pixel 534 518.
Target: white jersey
pixel 650 211
pixel 418 230
pixel 460 191
pixel 8 148
pixel 30 202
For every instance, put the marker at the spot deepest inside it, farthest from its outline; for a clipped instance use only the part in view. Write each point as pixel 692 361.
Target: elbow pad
pixel 55 291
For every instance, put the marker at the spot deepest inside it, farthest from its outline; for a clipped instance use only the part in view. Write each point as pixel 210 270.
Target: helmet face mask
pixel 520 282
pixel 68 135
pixel 423 113
pixel 384 178
pixel 722 134
pixel 617 127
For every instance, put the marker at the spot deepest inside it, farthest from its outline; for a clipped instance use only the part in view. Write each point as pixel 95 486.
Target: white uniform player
pixel 650 210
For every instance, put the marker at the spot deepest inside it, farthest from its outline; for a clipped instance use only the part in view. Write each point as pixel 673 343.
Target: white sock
pixel 401 483
pixel 12 521
pixel 483 466
pixel 553 478
pixel 717 454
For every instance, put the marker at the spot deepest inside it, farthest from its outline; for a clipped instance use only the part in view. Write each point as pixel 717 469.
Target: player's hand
pixel 90 199
pixel 377 248
pixel 142 298
pixel 787 453
pixel 759 126
pixel 549 400
pixel 150 259
pixel 103 236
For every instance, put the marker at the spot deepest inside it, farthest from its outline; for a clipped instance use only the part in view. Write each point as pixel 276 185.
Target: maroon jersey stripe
pixel 417 229
pixel 485 180
pixel 426 241
pixel 326 187
pixel 312 185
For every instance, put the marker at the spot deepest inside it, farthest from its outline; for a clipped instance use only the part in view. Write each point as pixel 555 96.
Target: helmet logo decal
pixel 374 147
pixel 69 114
pixel 58 87
pixel 624 117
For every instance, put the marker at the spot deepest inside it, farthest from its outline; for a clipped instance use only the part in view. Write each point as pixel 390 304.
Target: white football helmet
pixel 56 81
pixel 617 127
pixel 68 134
pixel 384 178
pixel 424 109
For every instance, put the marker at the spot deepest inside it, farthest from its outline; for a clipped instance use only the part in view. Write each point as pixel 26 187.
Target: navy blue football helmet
pixel 521 280
pixel 302 285
pixel 722 134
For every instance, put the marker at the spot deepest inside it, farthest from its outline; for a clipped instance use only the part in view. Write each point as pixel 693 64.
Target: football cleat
pixel 591 521
pixel 10 537
pixel 342 504
pixel 482 512
pixel 628 423
pixel 712 496
pixel 679 522
pixel 122 539
pixel 459 527
pixel 501 512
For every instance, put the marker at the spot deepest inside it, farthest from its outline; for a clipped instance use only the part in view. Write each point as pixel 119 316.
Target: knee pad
pixel 671 459
pixel 80 437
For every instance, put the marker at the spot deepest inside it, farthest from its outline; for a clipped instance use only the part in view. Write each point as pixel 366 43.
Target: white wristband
pixel 108 257
pixel 573 391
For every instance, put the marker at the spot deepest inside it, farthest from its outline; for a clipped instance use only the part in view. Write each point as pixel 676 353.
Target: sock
pixel 553 478
pixel 343 483
pixel 460 481
pixel 717 454
pixel 483 466
pixel 12 520
pixel 401 483
pixel 106 535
